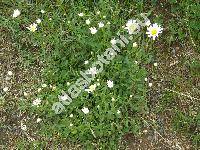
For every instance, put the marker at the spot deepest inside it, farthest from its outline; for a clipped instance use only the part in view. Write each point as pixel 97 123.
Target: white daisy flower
pixel 145 79
pixel 131 26
pixel 39 89
pixel 110 83
pixel 25 94
pixel 155 64
pixel 93 30
pixel 16 13
pixel 134 44
pixel 38 20
pixel 10 73
pixel 81 14
pixel 113 99
pixel 68 83
pixel 85 110
pixel 113 41
pixel 131 96
pixel 38 120
pixel 5 89
pixel 87 21
pixel 44 85
pixel 42 11
pixel 37 102
pixel 98 12
pixel 32 27
pixel 91 88
pixel 70 124
pixel 150 84
pixel 71 115
pixel 86 62
pixel 118 111
pixel 101 24
pixel 154 30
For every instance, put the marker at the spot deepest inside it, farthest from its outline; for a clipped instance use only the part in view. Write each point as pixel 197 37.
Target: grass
pixel 55 54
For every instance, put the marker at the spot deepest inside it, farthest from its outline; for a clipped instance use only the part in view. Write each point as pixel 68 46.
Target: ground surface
pixel 172 120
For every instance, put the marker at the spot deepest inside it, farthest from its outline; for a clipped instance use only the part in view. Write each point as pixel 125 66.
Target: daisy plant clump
pixel 103 109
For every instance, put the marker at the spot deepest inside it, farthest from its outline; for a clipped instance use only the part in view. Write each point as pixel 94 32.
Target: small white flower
pixel 25 94
pixel 110 83
pixel 104 16
pixel 86 62
pixel 5 89
pixel 154 30
pixel 150 84
pixel 23 126
pixel 70 124
pixel 68 21
pixel 93 30
pixel 50 19
pixel 101 24
pixel 131 26
pixel 108 22
pixel 155 64
pixel 37 102
pixel 81 14
pixel 98 80
pixel 134 44
pixel 113 41
pixel 44 85
pixel 92 71
pixel 10 73
pixel 68 83
pixel 136 62
pixel 32 27
pixel 53 88
pixel 38 20
pixel 16 13
pixel 38 120
pixel 113 99
pixel 39 89
pixel 131 96
pixel 91 88
pixel 145 79
pixel 71 115
pixel 118 111
pixel 98 12
pixel 42 11
pixel 87 21
pixel 98 106
pixel 85 110
pixel 98 84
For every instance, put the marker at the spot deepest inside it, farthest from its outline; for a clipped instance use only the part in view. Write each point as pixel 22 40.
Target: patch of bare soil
pixel 23 79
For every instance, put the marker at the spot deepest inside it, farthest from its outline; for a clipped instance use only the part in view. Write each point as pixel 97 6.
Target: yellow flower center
pixel 154 31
